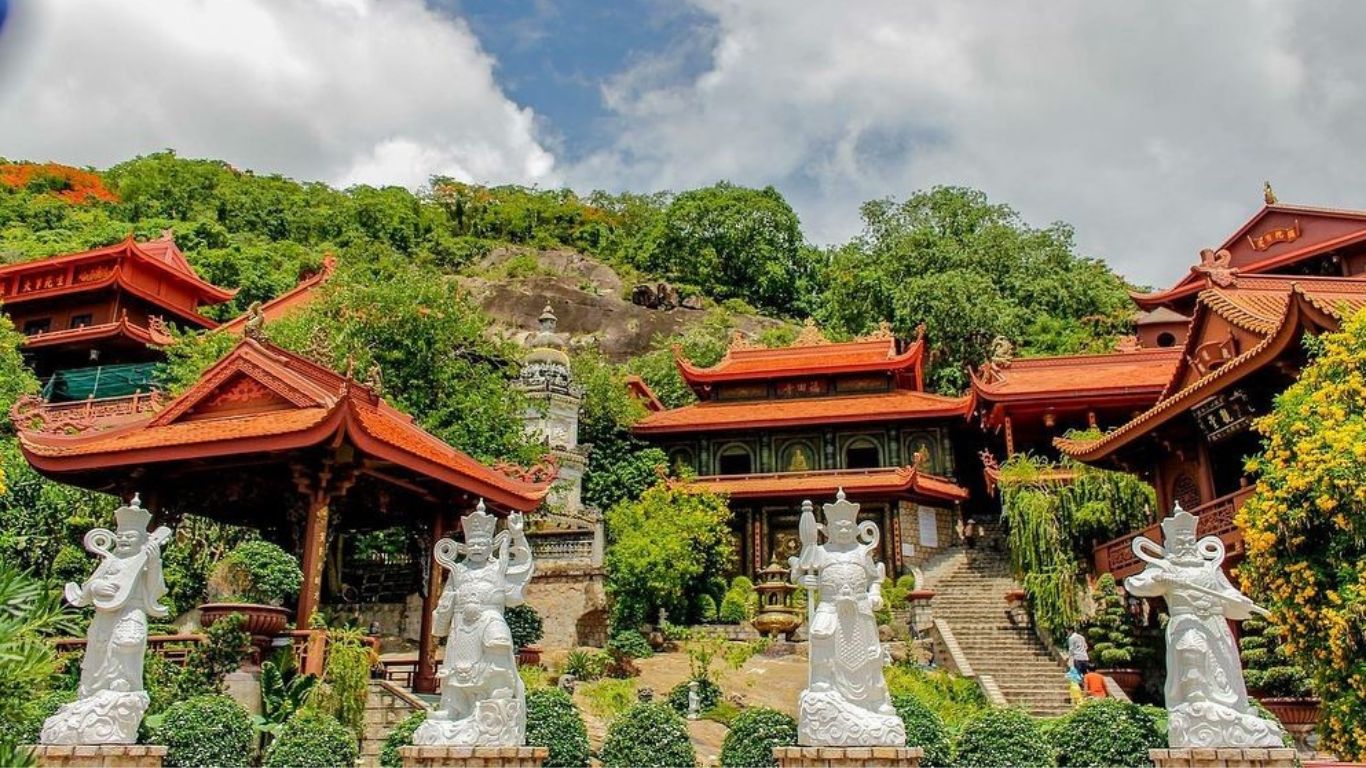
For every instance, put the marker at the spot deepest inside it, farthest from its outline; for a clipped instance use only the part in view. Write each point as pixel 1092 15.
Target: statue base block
pixel 473 757
pixel 98 755
pixel 1222 757
pixel 847 757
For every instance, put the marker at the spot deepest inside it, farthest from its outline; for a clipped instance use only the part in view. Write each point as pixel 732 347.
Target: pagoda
pixel 92 320
pixel 775 426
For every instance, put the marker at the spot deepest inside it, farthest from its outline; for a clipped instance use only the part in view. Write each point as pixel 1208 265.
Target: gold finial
pixel 1268 194
pixel 884 331
pixel 738 340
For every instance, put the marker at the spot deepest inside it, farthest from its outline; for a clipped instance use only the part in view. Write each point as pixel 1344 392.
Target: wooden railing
pixel 173 648
pixel 1216 519
pixel 309 645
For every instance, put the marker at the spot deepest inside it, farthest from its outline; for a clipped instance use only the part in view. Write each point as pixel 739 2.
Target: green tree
pixel 29 614
pixel 969 270
pixel 1305 529
pixel 665 549
pixel 734 243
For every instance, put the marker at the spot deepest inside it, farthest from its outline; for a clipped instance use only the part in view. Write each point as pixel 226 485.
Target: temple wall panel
pixel 917 543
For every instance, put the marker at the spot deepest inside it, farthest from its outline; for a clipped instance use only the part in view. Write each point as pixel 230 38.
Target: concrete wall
pixel 572 602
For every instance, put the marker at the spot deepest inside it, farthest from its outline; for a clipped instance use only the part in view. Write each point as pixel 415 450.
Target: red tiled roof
pixel 751 363
pixel 1195 282
pixel 902 404
pixel 1273 306
pixel 890 480
pixel 312 405
pixel 1079 376
pixel 295 298
pixel 123 327
pixel 642 392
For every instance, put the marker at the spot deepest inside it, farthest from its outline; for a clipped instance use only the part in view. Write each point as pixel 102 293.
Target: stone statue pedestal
pixel 98 755
pixel 1281 757
pixel 847 757
pixel 473 757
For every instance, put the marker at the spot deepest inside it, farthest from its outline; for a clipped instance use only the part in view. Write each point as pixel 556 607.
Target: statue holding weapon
pixel 845 703
pixel 483 700
pixel 1205 692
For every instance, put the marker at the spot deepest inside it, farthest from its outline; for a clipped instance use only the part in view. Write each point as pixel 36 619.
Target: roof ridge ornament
pixel 1217 267
pixel 1268 194
pixel 883 332
pixel 741 340
pixel 810 335
pixel 999 358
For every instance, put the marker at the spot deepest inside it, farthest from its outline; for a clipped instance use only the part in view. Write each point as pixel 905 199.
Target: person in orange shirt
pixel 1094 684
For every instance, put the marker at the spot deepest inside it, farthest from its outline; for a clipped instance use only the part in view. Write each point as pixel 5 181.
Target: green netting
pixel 99 381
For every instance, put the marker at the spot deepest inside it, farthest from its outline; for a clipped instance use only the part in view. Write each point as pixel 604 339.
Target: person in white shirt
pixel 1077 652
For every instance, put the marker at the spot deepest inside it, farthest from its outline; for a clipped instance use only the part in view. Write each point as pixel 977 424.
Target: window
pixel 735 460
pixel 680 461
pixel 39 325
pixel 81 321
pixel 1166 339
pixel 862 454
pixel 797 457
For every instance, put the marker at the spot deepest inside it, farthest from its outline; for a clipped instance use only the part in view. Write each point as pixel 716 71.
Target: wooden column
pixel 424 681
pixel 1010 438
pixel 315 552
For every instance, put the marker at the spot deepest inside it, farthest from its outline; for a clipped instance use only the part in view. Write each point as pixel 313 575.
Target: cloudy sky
pixel 1148 126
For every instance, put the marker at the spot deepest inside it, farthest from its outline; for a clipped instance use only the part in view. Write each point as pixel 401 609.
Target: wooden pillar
pixel 1010 438
pixel 315 553
pixel 424 680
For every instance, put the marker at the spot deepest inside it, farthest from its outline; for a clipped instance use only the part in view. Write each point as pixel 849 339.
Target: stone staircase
pixel 386 705
pixel 970 589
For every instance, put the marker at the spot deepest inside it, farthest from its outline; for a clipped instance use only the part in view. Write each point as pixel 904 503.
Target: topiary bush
pixel 256 572
pixel 402 736
pixel 648 735
pixel 554 722
pixel 1105 732
pixel 924 729
pixel 1112 632
pixel 1267 669
pixel 706 609
pixel 226 646
pixel 311 739
pixel 739 603
pixel 525 624
pixel 753 735
pixel 208 730
pixel 1008 738
pixel 707 692
pixel 631 644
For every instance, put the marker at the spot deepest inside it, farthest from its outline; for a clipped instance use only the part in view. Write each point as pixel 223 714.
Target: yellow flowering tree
pixel 1305 529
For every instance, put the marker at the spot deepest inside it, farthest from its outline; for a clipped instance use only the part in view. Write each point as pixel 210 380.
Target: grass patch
pixel 609 697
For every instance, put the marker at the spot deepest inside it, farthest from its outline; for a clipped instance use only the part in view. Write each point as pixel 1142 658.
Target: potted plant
pixel 527 629
pixel 253 580
pixel 1113 637
pixel 1273 679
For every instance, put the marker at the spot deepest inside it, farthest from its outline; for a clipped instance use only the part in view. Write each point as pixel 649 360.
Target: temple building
pixel 1290 271
pixel 773 427
pixel 92 320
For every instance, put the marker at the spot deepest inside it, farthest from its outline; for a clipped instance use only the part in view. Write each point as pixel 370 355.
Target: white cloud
pixel 1149 126
pixel 375 91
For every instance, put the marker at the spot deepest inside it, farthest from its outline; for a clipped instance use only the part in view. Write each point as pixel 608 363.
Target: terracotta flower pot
pixel 529 656
pixel 1293 710
pixel 919 594
pixel 1129 680
pixel 1015 596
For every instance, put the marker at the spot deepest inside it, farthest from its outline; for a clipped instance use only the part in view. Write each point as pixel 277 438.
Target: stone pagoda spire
pixel 553 416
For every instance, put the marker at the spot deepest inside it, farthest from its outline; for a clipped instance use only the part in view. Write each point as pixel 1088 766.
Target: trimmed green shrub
pixel 924 729
pixel 753 735
pixel 586 663
pixel 707 692
pixel 631 644
pixel 311 739
pixel 222 653
pixel 1008 738
pixel 553 721
pixel 1105 732
pixel 209 730
pixel 525 624
pixel 648 735
pixel 1267 670
pixel 256 572
pixel 402 736
pixel 739 603
pixel 706 608
pixel 1112 631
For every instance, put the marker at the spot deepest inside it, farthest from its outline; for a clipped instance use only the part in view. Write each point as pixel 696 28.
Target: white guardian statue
pixel 1206 696
pixel 124 590
pixel 845 703
pixel 483 701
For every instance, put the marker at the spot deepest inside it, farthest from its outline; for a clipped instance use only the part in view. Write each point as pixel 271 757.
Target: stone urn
pixel 777 617
pixel 263 622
